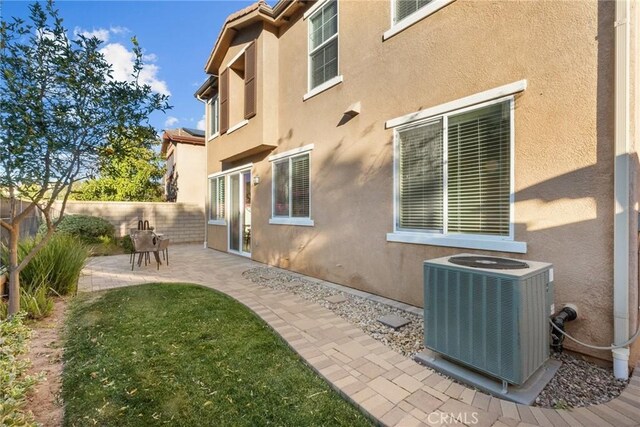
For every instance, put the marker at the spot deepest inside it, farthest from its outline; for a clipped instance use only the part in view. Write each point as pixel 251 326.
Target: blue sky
pixel 177 37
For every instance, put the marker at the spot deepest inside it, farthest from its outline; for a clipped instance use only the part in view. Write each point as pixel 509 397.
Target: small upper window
pixel 323 44
pixel 214 116
pixel 404 8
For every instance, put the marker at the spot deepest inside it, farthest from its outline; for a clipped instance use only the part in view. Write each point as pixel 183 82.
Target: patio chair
pixel 163 247
pixel 144 243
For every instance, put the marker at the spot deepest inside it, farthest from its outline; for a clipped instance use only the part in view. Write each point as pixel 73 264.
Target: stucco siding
pixel 563 149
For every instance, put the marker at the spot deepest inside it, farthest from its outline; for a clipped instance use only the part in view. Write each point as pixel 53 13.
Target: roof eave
pixel 263 13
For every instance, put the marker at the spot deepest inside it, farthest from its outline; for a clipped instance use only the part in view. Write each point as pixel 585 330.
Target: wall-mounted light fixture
pixel 256 180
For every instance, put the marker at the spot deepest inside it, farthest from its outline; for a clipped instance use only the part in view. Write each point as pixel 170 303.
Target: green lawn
pixel 176 354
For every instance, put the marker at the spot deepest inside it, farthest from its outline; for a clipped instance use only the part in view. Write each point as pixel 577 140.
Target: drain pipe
pixel 206 193
pixel 621 228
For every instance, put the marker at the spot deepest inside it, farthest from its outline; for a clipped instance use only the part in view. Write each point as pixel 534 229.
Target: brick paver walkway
pixel 390 388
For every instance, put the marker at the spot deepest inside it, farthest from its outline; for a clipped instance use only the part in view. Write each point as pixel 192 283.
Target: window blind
pixel 404 8
pixel 281 188
pixel 216 198
pixel 323 48
pixel 420 183
pixel 220 206
pixel 479 171
pixel 300 186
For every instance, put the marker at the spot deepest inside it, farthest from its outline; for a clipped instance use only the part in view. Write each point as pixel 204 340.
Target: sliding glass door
pixel 240 213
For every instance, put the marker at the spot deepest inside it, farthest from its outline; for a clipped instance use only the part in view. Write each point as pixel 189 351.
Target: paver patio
pixel 392 389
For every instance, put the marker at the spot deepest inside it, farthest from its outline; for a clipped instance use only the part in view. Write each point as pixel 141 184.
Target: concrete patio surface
pixel 392 389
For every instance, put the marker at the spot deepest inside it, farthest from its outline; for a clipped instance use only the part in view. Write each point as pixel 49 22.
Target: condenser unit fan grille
pixel 488 262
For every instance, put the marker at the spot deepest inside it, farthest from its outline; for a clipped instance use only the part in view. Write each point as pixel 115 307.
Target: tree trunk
pixel 14 273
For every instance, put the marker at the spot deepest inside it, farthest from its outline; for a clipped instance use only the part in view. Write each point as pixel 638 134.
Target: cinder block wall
pixel 181 222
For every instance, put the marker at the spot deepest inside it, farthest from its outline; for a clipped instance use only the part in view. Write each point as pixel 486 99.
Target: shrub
pixel 56 266
pixel 91 229
pixel 14 382
pixel 127 244
pixel 34 303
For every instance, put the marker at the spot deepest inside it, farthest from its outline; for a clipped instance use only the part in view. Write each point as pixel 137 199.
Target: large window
pixel 454 173
pixel 214 117
pixel 291 200
pixel 216 199
pixel 323 44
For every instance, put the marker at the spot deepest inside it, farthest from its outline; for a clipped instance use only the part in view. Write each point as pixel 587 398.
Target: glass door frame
pixel 241 212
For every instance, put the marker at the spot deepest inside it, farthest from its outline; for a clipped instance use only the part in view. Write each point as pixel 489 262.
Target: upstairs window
pixel 213 127
pixel 323 44
pixel 238 90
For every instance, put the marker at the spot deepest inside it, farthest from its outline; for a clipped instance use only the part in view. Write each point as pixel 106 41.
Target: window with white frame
pixel 454 173
pixel 214 116
pixel 216 198
pixel 323 44
pixel 291 187
pixel 404 8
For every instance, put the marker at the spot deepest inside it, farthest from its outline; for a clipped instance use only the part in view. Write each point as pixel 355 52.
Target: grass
pixel 183 355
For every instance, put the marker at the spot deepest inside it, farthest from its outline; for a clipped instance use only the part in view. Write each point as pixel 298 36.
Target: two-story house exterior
pixel 351 141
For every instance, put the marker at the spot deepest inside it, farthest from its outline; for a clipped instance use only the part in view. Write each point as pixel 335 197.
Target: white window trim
pixel 237 126
pixel 237 56
pixel 291 153
pixel 289 220
pixel 458 104
pixel 467 241
pixel 304 222
pixel 420 14
pixel 317 5
pixel 230 171
pixel 313 91
pixel 322 87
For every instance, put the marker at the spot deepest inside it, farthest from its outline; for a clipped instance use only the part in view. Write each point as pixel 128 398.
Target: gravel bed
pixel 578 382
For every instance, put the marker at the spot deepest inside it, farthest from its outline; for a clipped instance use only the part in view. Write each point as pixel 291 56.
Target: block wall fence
pixel 181 222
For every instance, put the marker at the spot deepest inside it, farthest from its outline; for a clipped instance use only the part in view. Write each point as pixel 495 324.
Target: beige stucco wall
pixel 191 169
pixel 563 143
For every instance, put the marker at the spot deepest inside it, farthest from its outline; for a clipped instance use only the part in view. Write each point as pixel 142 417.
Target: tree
pixel 134 176
pixel 60 109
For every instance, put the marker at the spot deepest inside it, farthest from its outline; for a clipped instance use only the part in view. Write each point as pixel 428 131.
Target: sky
pixel 176 36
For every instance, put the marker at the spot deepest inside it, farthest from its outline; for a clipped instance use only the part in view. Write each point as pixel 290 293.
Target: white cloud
pixel 170 121
pixel 201 123
pixel 100 33
pixel 119 30
pixel 122 61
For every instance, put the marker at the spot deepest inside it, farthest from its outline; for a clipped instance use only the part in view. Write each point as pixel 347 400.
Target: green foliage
pixel 91 229
pixel 61 112
pixel 55 267
pixel 14 381
pixel 179 354
pixel 135 176
pixel 36 303
pixel 127 244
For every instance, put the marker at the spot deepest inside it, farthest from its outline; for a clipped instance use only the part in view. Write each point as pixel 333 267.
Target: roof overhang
pixel 257 12
pixel 207 89
pixel 250 152
pixel 177 136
